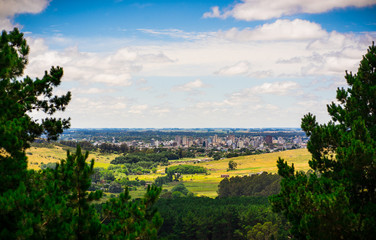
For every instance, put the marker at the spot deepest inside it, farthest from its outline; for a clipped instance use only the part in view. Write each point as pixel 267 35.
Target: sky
pixel 194 64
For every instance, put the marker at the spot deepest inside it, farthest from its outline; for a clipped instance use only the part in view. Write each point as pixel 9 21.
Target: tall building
pixel 268 139
pixel 215 139
pixel 185 141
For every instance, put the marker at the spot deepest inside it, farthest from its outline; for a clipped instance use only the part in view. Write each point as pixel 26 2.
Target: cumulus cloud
pixel 190 86
pixel 238 68
pixel 293 50
pixel 287 48
pixel 250 10
pixel 160 110
pixel 279 30
pixel 11 7
pixel 138 109
pixel 112 69
pixel 253 96
pixel 214 13
pixel 279 88
pixel 91 90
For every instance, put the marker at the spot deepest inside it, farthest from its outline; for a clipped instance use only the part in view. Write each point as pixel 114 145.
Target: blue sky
pixel 249 63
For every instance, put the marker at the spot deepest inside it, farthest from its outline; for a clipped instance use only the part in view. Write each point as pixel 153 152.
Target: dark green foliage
pixel 115 188
pixel 232 165
pixel 174 173
pixel 180 188
pixel 73 181
pixel 107 175
pixel 186 169
pixel 256 185
pixel 338 199
pixel 140 163
pixel 161 157
pixel 56 204
pixel 17 98
pixel 268 230
pixel 217 155
pixel 159 181
pixel 125 219
pixel 110 148
pixel 206 218
pixel 52 203
pixel 85 145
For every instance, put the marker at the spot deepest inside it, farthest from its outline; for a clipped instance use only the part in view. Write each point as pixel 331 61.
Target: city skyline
pixel 195 64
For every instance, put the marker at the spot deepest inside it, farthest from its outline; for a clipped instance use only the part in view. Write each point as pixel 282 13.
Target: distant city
pixel 267 139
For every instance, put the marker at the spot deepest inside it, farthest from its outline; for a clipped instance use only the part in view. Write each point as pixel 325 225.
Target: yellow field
pixel 199 184
pixel 207 185
pixel 38 156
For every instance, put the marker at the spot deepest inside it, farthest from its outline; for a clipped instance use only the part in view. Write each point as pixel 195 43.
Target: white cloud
pixel 160 110
pixel 288 48
pixel 250 10
pixel 279 30
pixel 215 13
pixel 177 33
pixel 280 59
pixel 11 7
pixel 6 24
pixel 279 88
pixel 118 105
pixel 112 69
pixel 112 79
pixel 190 86
pixel 236 69
pixel 138 109
pixel 252 97
pixel 91 90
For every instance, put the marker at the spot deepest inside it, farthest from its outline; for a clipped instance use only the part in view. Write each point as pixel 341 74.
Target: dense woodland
pixel 335 200
pixel 220 218
pixel 263 184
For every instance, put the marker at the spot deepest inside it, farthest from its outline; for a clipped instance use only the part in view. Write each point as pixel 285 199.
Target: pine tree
pixel 18 98
pixel 74 181
pixel 337 200
pixel 53 203
pixel 125 219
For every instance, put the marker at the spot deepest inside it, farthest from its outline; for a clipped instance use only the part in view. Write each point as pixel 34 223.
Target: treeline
pixel 124 148
pixel 103 147
pixel 172 154
pixel 161 157
pixel 218 154
pixel 105 180
pixel 141 162
pixel 185 169
pixel 174 173
pixel 221 218
pixel 264 184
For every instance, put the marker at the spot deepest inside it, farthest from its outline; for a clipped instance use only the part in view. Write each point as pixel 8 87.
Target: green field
pixel 199 184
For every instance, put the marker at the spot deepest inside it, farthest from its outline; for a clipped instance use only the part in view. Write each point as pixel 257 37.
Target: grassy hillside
pixel 200 184
pixel 38 156
pixel 207 185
